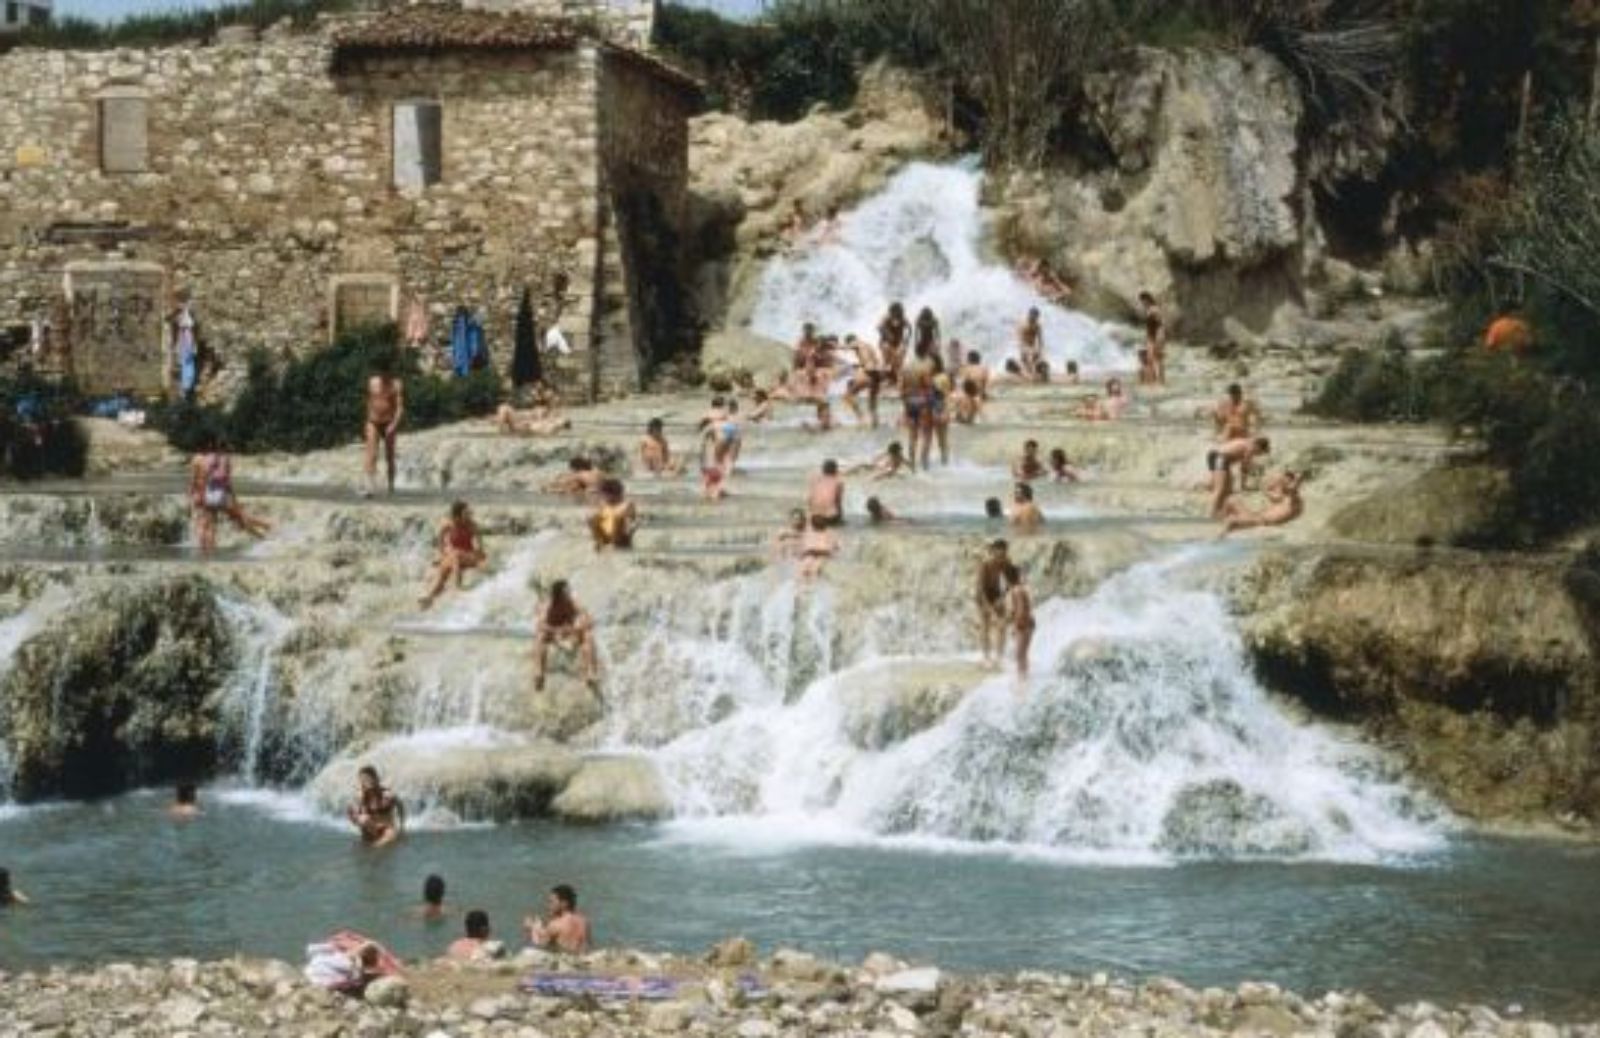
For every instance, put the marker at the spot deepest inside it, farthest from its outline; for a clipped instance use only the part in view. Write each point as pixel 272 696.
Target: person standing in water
pixel 565 929
pixel 563 622
pixel 211 494
pixel 916 398
pixel 927 337
pixel 893 333
pixel 991 600
pixel 460 545
pixel 376 812
pixel 868 376
pixel 185 803
pixel 1155 337
pixel 1025 514
pixel 432 908
pixel 1019 608
pixel 386 405
pixel 475 945
pixel 1030 347
pixel 825 495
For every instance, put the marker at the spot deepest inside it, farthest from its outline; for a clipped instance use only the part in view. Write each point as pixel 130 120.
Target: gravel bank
pixel 788 994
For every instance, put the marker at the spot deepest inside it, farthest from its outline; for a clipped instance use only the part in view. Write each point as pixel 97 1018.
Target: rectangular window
pixel 13 13
pixel 124 134
pixel 38 16
pixel 417 143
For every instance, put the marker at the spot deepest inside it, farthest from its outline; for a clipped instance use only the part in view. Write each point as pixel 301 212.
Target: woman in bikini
pixel 563 622
pixel 614 523
pixel 893 331
pixel 211 494
pixel 460 549
pixel 916 397
pixel 376 812
pixel 1019 606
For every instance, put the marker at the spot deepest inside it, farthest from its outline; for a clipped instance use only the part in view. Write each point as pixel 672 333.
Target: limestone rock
pixel 893 704
pixel 503 779
pixel 119 691
pixel 388 992
pixel 609 789
pixel 733 953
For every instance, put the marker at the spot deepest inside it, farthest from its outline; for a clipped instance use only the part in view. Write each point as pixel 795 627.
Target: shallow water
pixel 118 880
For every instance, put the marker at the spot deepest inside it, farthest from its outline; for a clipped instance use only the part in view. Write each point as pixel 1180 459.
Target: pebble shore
pixel 798 995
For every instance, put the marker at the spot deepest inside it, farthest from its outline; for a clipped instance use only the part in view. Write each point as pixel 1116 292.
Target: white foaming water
pixel 502 598
pixel 1141 738
pixel 252 691
pixel 919 241
pixel 14 630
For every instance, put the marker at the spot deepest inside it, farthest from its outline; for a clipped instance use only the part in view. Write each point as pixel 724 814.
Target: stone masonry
pixel 263 185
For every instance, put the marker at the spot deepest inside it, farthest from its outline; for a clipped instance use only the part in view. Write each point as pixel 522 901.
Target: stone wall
pixel 269 184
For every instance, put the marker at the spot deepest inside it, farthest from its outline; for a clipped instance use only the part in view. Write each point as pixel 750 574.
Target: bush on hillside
pixel 38 434
pixel 1378 385
pixel 316 401
pixel 172 26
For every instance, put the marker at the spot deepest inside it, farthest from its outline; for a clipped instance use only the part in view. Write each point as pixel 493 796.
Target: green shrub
pixel 172 26
pixel 1381 385
pixel 317 401
pixel 38 434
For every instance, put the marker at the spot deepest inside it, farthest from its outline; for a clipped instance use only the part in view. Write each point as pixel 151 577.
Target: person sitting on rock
pixel 376 812
pixel 762 411
pixel 565 930
pixel 564 623
pixel 1061 470
pixel 966 404
pixel 460 545
pixel 582 477
pixel 1028 468
pixel 477 945
pixel 655 453
pixel 614 522
pixel 976 372
pixel 1284 506
pixel 1026 516
pixel 1115 405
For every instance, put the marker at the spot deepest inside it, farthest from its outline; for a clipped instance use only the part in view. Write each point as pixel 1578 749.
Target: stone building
pixel 302 182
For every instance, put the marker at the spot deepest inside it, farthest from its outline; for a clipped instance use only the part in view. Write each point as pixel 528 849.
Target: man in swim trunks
pixel 1155 338
pixel 1235 417
pixel 869 375
pixel 825 495
pixel 991 598
pixel 565 930
pixel 376 812
pixel 1284 506
pixel 386 405
pixel 1030 347
pixel 1025 514
pixel 894 331
pixel 1220 463
pixel 1019 604
pixel 917 398
pixel 614 522
pixel 460 549
pixel 817 546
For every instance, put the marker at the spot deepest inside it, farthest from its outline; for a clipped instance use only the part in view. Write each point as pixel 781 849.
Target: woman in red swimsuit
pixel 460 549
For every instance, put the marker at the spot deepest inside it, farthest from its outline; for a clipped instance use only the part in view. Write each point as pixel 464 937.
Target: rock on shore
pixel 792 994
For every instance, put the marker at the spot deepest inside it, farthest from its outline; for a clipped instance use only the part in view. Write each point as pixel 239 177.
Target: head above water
pixel 875 508
pixel 477 924
pixel 1072 367
pixel 974 357
pixel 433 890
pixel 1263 445
pixel 185 795
pixel 895 450
pixel 1023 493
pixel 6 895
pixel 564 896
pixel 1013 367
pixel 1058 457
pixel 993 509
pixel 830 467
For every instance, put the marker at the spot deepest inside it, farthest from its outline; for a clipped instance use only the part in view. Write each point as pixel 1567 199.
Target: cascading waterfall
pixel 920 241
pixel 1142 736
pixel 251 693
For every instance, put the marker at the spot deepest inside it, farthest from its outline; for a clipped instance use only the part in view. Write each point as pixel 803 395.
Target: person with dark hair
pixel 991 599
pixel 1221 462
pixel 185 802
pixel 966 405
pixel 917 399
pixel 655 453
pixel 1025 513
pixel 994 509
pixel 926 337
pixel 878 514
pixel 1284 506
pixel 582 477
pixel 386 405
pixel 1060 469
pixel 460 548
pixel 376 812
pixel 825 496
pixel 1030 347
pixel 473 946
pixel 886 465
pixel 10 895
pixel 1155 338
pixel 976 372
pixel 894 331
pixel 432 907
pixel 562 622
pixel 817 546
pixel 1028 468
pixel 868 375
pixel 1072 373
pixel 211 494
pixel 564 929
pixel 613 523
pixel 1235 417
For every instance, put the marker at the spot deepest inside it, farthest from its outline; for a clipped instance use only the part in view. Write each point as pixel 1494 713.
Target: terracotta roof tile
pixel 436 27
